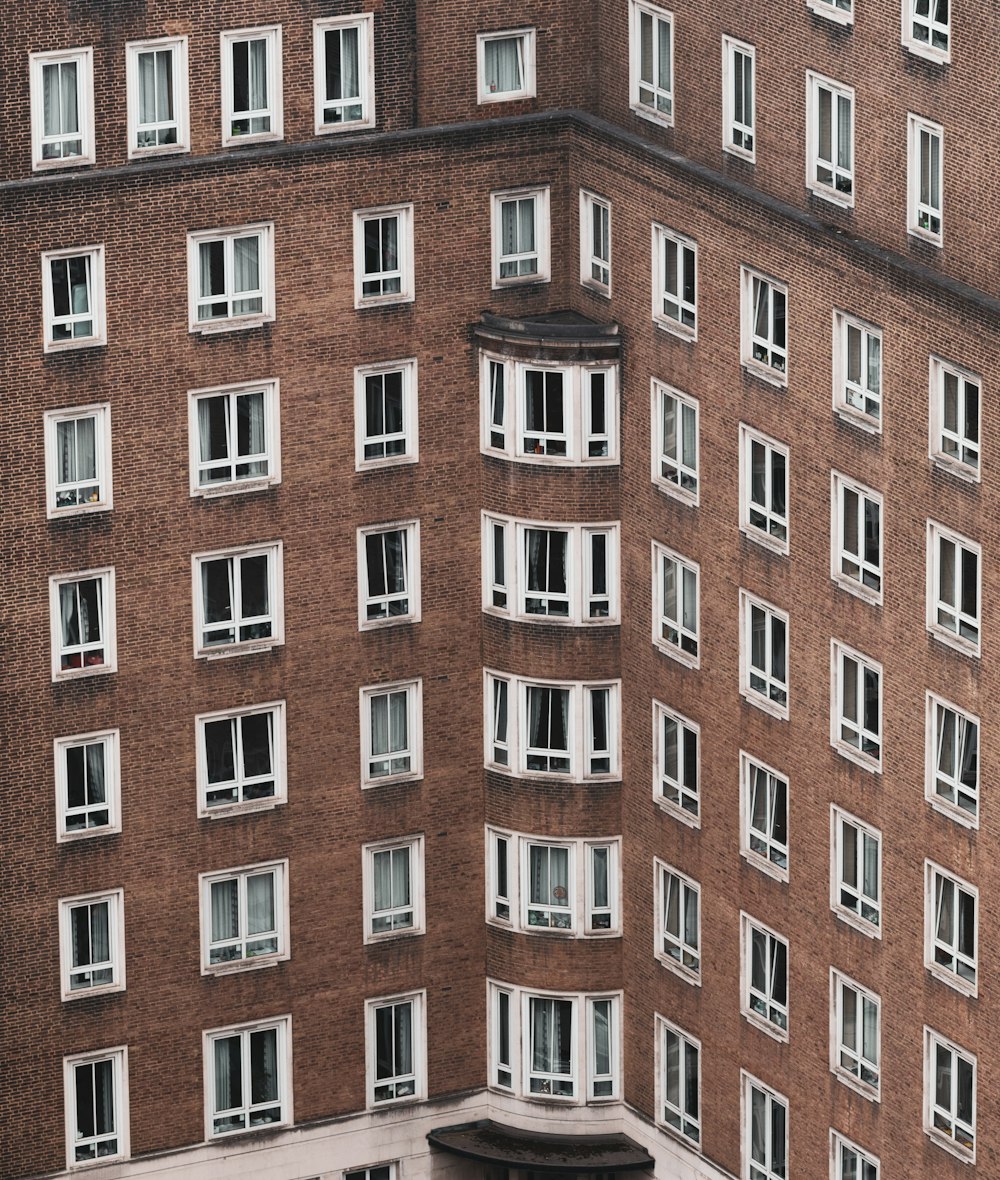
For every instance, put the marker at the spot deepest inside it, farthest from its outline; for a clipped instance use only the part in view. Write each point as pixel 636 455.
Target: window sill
pixel 691 499
pixel 953 812
pixel 949 1145
pixel 232 324
pixel 249 807
pixel 78 510
pixel 245 1132
pixel 236 488
pixel 765 373
pixel 652 115
pixel 856 418
pixel 739 153
pixel 365 123
pixel 674 653
pixel 555 776
pixel 765 704
pixel 765 540
pixel 964 647
pixel 393 1103
pixel 923 235
pixel 869 1092
pixel 953 981
pixel 63 162
pixel 86 993
pixel 236 141
pixel 553 620
pixel 837 15
pixel 391 780
pixel 227 651
pixel 52 347
pixel 765 1026
pixel 675 811
pixel 486 98
pixel 601 289
pixel 381 624
pixel 940 57
pixel 691 1144
pixel 533 280
pixel 686 973
pixel 393 935
pixel 82 673
pixel 852 754
pixel 242 965
pixel 962 471
pixel 407 460
pixel 831 195
pixel 673 328
pixel 768 867
pixel 393 300
pixel 864 593
pixel 173 149
pixel 860 924
pixel 552 460
pixel 88 834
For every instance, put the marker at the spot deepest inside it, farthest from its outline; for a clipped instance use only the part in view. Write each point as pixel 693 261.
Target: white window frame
pixel 363 23
pixel 748 994
pixel 687 804
pixel 403 215
pixel 119 1081
pixel 659 106
pixel 279 871
pixel 418 1051
pixel 264 233
pixel 738 132
pixel 952 446
pixel 772 364
pixel 178 48
pixel 282 1026
pixel 921 213
pixel 276 710
pixel 270 456
pixel 969 643
pixel 840 188
pixel 407 436
pixel 114 899
pixel 110 740
pixel 953 781
pixel 871 758
pixel 866 1164
pixel 963 976
pixel 677 473
pixel 675 948
pixel 773 532
pixel 675 259
pixel 414 846
pixel 83 59
pixel 861 1072
pixel 105 578
pixel 411 532
pixel 941 1123
pixel 855 399
pixel 869 581
pixel 276 615
pixel 595 242
pixel 839 885
pixel 763 1170
pixel 526 60
pixel 103 501
pixel 672 1114
pixel 919 46
pixel 271 36
pixel 672 635
pixel 542 233
pixel 773 854
pixel 414 733
pixel 773 694
pixel 96 312
pixel 842 13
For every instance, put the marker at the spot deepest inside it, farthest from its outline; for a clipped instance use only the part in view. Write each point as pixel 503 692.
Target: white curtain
pixel 95 792
pixel 246 274
pixel 60 108
pixel 602 1037
pixel 250 432
pixel 503 64
pixel 599 870
pixel 342 61
pixel 69 614
pixel 549 875
pixel 155 88
pixel 228 1082
pixel 260 904
pixel 225 910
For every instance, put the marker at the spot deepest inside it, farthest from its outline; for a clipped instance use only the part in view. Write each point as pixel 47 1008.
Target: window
pixel 343 54
pixel 954 418
pixel 251 85
pixel 856 721
pixel 765 978
pixel 679 1077
pixel 564 574
pixel 857 371
pixel 675 442
pixel 234 438
pixel 952 929
pixel 73 298
pixel 87 785
pixel 82 613
pixel 93 944
pixel 675 264
pixel 676 742
pixel 545 414
pixel 157 96
pixel 231 278
pixel 765 1132
pixel 857 538
pixel 950 1090
pixel 564 1047
pixel 764 487
pixel 678 935
pixel 520 237
pixel 241 759
pixel 841 11
pixel 567 729
pixel 856 877
pixel 854 1048
pixel 389 574
pixel 391 729
pixel 380 1172
pixel 238 600
pixel 925 153
pixel 62 108
pixel 764 806
pixel 651 62
pixel 383 256
pixel 96 1093
pixel 830 114
pixel 506 65
pixel 764 655
pixel 385 414
pixel 394 888
pixel 397 1066
pixel 953 761
pixel 953 588
pixel 765 344
pixel 675 615
pixel 248 1077
pixel 738 100
pixel 78 460
pixel 244 917
pixel 850 1162
pixel 595 242
pixel 926 28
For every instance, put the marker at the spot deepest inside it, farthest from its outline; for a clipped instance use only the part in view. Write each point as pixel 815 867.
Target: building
pixel 568 419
